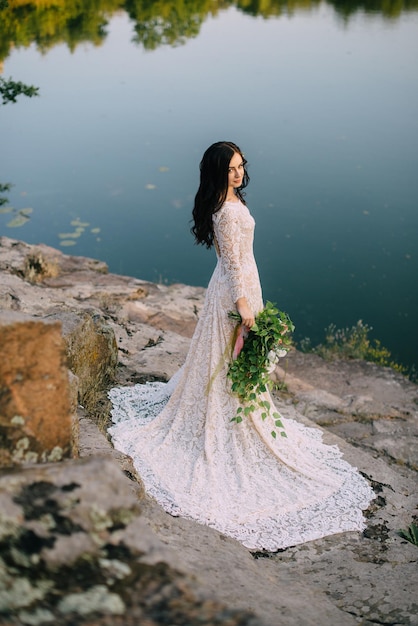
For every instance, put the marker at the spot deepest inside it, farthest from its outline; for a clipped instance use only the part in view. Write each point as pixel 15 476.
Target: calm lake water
pixel 323 103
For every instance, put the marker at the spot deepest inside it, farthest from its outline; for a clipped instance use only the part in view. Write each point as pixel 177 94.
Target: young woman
pixel 267 493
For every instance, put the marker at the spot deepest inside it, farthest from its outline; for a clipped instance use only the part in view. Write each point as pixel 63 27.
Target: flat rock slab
pixel 75 549
pixel 371 406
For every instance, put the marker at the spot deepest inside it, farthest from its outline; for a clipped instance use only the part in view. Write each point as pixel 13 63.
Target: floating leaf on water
pixel 95 230
pixel 27 211
pixel 67 242
pixel 80 229
pixel 74 235
pixel 19 220
pixel 150 186
pixel 163 168
pixel 78 223
pixel 6 209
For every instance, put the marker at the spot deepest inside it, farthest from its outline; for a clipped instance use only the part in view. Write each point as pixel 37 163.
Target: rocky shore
pixel 80 542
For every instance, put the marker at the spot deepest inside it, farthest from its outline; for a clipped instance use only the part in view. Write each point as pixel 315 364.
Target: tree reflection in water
pixel 50 22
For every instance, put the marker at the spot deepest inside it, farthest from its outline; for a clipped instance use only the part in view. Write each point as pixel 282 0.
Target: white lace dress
pixel 267 493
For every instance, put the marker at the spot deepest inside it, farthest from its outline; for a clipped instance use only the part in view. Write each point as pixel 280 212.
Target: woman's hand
pixel 247 316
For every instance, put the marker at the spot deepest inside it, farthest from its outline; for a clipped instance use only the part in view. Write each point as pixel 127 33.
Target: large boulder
pixel 75 550
pixel 35 410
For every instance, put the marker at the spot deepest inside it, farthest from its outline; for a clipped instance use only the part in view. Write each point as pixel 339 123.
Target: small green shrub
pixel 354 343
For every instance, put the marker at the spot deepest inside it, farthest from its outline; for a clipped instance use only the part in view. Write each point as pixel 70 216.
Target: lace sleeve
pixel 228 235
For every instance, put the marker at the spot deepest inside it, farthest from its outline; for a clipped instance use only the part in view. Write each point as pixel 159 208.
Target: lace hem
pixel 260 518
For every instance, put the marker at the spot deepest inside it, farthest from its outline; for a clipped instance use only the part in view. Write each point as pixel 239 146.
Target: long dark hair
pixel 213 188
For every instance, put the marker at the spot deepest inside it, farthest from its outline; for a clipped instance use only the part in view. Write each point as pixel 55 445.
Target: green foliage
pixel 11 89
pixel 410 534
pixel 249 372
pixel 352 343
pixel 4 188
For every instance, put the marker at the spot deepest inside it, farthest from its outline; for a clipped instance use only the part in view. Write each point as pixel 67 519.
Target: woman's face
pixel 235 171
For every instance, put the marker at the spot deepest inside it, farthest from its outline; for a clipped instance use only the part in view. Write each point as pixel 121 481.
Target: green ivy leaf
pixel 249 372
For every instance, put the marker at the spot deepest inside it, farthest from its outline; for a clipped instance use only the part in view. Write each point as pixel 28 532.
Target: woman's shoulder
pixel 230 209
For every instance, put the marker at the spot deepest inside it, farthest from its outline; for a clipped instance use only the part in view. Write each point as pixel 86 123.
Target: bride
pixel 267 493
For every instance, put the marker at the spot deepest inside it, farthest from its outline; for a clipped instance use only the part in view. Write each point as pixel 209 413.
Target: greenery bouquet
pixel 255 354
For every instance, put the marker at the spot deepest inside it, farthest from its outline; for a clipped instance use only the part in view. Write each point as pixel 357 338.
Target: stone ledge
pixel 346 579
